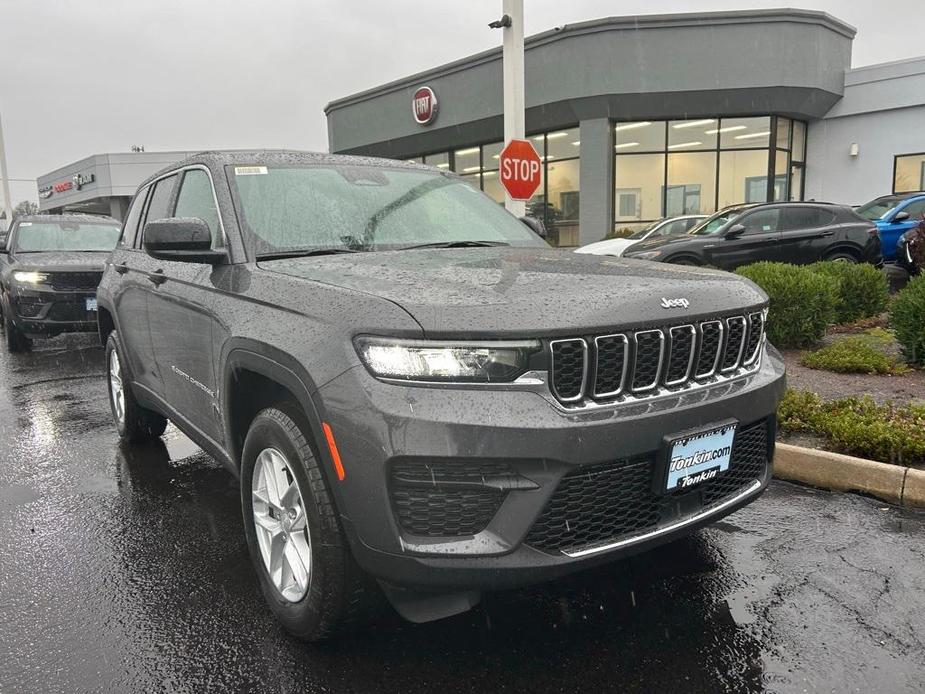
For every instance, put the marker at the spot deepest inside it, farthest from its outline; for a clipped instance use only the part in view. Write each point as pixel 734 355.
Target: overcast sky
pixel 90 76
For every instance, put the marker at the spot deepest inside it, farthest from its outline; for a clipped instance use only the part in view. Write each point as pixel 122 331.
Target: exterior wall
pixel 883 112
pixel 790 62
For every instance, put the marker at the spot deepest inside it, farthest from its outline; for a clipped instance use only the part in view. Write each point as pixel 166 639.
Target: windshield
pixel 366 208
pixel 875 209
pixel 712 224
pixel 33 237
pixel 641 234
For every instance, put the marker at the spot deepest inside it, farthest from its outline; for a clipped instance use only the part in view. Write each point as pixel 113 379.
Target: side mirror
pixel 185 239
pixel 536 226
pixel 734 232
pixel 901 216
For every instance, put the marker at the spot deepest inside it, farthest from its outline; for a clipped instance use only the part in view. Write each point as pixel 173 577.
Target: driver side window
pixel 761 221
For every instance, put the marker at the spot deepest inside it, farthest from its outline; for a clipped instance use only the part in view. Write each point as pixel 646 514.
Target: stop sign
pixel 521 170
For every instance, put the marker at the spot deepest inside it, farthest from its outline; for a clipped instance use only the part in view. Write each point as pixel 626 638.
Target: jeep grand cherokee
pixel 412 387
pixel 52 264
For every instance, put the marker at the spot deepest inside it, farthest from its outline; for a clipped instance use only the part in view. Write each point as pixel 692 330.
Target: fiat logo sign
pixel 424 106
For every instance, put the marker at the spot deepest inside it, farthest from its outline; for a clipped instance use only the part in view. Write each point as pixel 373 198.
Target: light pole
pixel 512 56
pixel 7 203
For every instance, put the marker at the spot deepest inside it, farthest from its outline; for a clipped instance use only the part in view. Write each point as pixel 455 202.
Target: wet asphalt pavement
pixel 126 570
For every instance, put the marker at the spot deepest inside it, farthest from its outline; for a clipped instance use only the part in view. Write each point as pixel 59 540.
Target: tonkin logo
pixel 675 303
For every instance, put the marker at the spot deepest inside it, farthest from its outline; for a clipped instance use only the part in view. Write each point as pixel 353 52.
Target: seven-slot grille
pixel 607 366
pixel 75 281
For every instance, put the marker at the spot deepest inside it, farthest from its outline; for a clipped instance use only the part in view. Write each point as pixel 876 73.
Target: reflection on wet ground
pixel 126 570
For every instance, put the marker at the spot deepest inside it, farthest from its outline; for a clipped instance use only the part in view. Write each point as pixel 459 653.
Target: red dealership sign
pixel 424 106
pixel 521 169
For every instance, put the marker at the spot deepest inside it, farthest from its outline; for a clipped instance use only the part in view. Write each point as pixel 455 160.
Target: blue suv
pixel 894 215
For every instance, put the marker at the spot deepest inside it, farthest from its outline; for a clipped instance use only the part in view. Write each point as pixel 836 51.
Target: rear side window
pixel 796 218
pixel 761 221
pixel 195 199
pixel 130 228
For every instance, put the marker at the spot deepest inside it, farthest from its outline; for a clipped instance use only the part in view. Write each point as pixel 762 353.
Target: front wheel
pixel 304 566
pixel 15 341
pixel 841 257
pixel 136 424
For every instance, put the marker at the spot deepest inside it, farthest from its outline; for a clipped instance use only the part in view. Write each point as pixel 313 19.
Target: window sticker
pixel 250 171
pixel 25 224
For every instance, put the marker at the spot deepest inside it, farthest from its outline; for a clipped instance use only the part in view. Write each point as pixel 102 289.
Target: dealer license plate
pixel 91 304
pixel 699 457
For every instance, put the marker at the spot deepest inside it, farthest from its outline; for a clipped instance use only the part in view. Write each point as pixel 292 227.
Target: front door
pixel 181 316
pixel 891 231
pixel 759 241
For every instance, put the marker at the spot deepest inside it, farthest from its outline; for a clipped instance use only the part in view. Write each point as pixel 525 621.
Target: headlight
pixel 30 277
pixel 423 360
pixel 645 255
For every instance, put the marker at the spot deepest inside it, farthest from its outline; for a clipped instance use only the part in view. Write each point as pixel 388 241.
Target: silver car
pixel 671 226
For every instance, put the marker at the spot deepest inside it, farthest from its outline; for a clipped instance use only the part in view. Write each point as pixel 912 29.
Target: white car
pixel 672 226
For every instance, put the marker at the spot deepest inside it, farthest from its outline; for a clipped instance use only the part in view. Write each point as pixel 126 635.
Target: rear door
pixel 180 314
pixel 759 241
pixel 807 232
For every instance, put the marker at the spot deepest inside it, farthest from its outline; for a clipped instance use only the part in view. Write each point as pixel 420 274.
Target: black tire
pixel 138 424
pixel 338 593
pixel 16 342
pixel 842 257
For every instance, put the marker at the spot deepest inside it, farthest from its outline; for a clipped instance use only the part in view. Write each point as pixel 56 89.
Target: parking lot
pixel 127 570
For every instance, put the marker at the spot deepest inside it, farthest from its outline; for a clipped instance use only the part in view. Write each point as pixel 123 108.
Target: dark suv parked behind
pixel 412 386
pixel 53 264
pixel 795 232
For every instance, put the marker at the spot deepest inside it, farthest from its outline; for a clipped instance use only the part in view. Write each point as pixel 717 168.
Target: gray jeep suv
pixel 417 394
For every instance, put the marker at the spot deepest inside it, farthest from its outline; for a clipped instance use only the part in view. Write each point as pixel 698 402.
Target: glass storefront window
pixel 743 177
pixel 909 173
pixel 491 154
pixel 781 166
pixel 415 160
pixel 441 160
pixel 562 144
pixel 639 136
pixel 741 133
pixel 473 180
pixel 799 141
pixel 492 187
pixel 783 133
pixel 685 135
pixel 691 183
pixel 638 191
pixel 562 197
pixel 467 160
pixel 796 182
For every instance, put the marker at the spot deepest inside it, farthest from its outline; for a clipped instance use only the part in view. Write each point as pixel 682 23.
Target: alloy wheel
pixel 280 523
pixel 116 387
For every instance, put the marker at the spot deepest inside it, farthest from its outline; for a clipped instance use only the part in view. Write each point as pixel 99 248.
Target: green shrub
pixel 866 353
pixel 802 302
pixel 907 318
pixel 863 290
pixel 889 433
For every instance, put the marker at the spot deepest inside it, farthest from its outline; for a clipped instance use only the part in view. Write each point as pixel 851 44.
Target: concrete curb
pixel 894 483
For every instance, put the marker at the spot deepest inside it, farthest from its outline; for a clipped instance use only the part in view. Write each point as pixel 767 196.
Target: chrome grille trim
pixel 626 361
pixel 719 345
pixel 661 359
pixel 690 358
pixel 738 360
pixel 584 368
pixel 747 359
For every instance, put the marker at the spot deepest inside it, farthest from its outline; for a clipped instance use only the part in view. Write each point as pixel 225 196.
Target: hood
pixel 61 261
pixel 608 247
pixel 525 291
pixel 659 242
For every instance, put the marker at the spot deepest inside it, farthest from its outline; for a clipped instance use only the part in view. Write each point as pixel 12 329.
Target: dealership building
pixel 637 118
pixel 101 183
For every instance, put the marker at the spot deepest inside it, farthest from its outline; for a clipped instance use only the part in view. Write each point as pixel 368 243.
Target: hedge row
pixel 805 299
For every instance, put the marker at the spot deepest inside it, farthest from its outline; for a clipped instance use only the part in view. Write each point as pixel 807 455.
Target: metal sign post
pixel 513 60
pixel 7 202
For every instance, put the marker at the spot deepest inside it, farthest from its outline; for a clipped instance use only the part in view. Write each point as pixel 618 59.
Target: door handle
pixel 121 269
pixel 157 278
pixel 827 233
pixel 774 240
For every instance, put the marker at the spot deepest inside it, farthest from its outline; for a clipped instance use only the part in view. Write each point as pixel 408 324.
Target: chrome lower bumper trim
pixel 574 554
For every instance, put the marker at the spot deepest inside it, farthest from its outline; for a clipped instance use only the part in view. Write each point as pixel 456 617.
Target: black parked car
pixel 51 268
pixel 413 387
pixel 789 232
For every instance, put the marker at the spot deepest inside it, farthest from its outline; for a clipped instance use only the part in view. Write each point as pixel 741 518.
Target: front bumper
pixel 536 445
pixel 44 312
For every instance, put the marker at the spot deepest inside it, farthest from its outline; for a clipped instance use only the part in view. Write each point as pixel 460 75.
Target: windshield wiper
pixel 454 244
pixel 305 253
